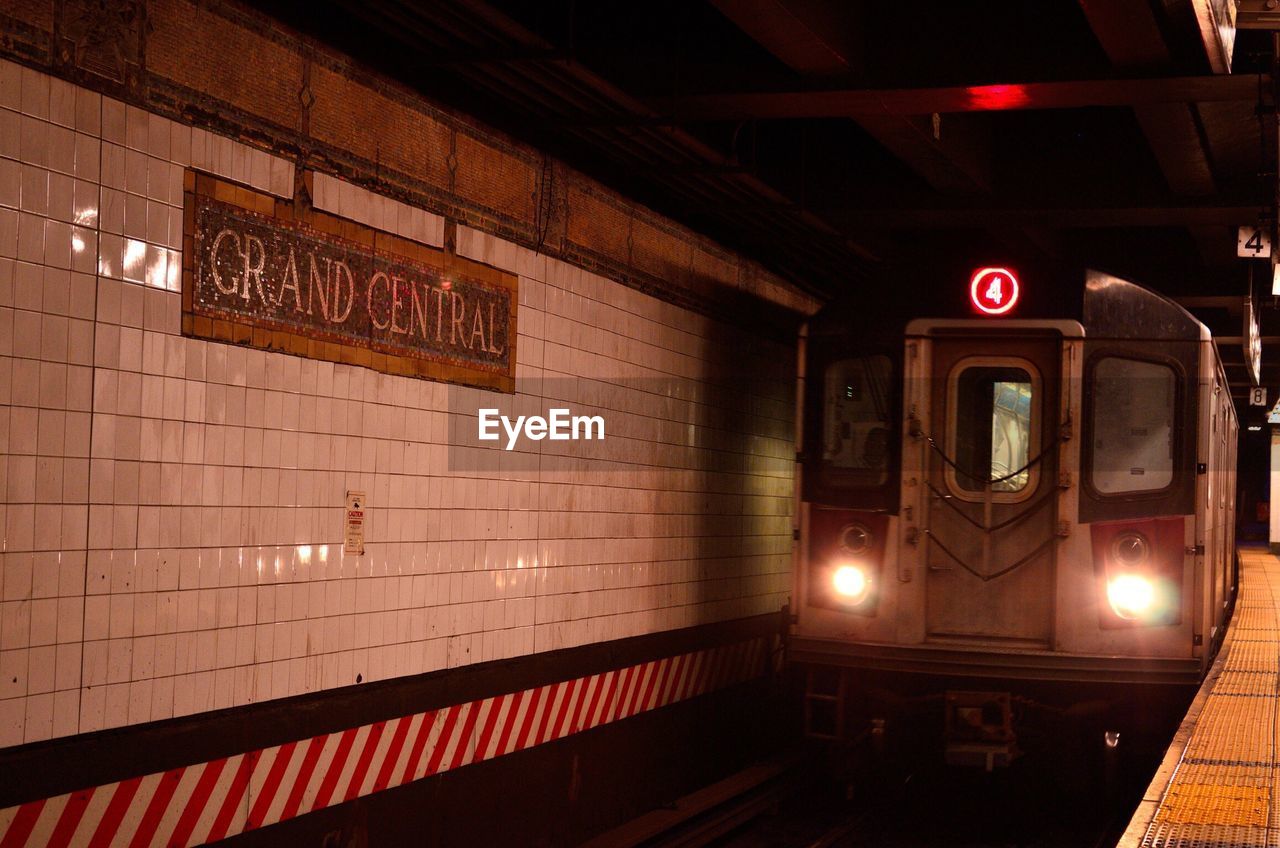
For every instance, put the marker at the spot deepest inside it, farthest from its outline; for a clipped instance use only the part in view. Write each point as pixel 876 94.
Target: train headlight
pixel 1131 596
pixel 1130 549
pixel 851 583
pixel 845 558
pixel 856 538
pixel 1139 570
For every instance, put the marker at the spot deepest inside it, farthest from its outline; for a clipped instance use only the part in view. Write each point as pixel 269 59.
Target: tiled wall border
pixel 347 200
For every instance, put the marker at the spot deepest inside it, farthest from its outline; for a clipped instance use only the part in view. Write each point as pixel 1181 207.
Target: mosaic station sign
pixel 299 286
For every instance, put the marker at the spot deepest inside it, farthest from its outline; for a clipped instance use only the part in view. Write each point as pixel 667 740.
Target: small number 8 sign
pixel 993 291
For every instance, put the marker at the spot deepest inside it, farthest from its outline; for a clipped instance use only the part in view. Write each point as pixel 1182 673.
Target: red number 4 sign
pixel 993 291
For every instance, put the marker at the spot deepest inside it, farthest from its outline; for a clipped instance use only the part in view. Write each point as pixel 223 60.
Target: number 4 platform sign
pixel 1253 242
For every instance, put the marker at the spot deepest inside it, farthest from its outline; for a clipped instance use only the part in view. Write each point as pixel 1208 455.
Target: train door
pixel 992 481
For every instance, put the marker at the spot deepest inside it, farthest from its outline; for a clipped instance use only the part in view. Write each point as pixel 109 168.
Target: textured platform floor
pixel 1218 786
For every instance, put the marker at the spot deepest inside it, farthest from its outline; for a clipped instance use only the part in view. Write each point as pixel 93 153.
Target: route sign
pixel 994 291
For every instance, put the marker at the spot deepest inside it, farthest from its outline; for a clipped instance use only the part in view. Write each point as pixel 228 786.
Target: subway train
pixel 1028 502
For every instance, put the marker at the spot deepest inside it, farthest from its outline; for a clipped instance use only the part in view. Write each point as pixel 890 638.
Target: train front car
pixel 1004 516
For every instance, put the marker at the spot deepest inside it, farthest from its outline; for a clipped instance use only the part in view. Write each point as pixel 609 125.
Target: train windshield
pixel 855 432
pixel 1133 413
pixel 993 429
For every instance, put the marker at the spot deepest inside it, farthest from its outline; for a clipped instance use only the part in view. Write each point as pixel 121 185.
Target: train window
pixel 1133 414
pixel 855 430
pixel 993 406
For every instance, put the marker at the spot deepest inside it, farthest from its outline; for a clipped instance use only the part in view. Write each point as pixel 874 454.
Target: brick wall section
pixel 710 266
pixel 350 117
pixel 263 74
pixel 596 225
pixel 385 137
pixel 37 13
pixel 496 179
pixel 656 252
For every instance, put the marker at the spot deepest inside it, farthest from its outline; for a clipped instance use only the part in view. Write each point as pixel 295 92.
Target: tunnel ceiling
pixel 823 137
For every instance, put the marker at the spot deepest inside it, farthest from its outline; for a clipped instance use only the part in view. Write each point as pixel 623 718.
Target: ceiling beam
pixel 1131 37
pixel 1128 32
pixel 1236 340
pixel 1172 134
pixel 812 256
pixel 952 155
pixel 954 159
pixel 1068 218
pixel 799 42
pixel 858 103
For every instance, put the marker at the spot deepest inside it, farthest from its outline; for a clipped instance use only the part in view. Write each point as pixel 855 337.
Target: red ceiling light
pixel 993 291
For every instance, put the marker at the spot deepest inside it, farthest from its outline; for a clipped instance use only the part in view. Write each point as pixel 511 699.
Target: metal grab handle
pixel 918 432
pixel 986 578
pixel 1035 506
pixel 992 480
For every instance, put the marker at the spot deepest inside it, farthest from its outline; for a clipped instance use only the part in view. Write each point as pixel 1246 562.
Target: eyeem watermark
pixel 559 426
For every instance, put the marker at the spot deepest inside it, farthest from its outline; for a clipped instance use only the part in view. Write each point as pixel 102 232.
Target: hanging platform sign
pixel 321 286
pixel 1253 242
pixel 1252 339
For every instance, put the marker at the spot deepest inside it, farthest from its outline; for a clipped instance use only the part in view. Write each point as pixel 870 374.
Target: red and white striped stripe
pixel 204 802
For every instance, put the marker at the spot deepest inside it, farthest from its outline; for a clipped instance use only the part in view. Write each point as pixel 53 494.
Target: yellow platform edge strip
pixel 1216 783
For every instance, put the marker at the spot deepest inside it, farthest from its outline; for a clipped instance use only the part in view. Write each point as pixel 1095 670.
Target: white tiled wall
pixel 173 508
pixel 375 210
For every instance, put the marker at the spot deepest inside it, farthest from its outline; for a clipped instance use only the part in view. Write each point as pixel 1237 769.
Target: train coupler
pixel 979 729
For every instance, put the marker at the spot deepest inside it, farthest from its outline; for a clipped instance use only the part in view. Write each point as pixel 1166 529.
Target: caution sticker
pixel 354 537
